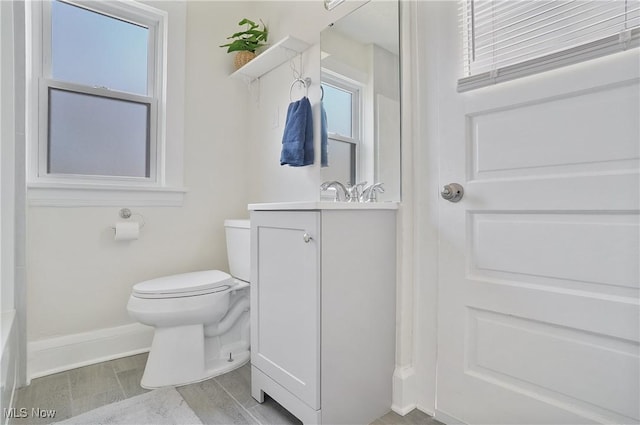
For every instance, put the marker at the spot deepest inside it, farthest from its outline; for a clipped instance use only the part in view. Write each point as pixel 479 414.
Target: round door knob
pixel 306 237
pixel 452 192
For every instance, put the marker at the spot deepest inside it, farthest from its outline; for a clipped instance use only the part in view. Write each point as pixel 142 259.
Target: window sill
pixel 93 195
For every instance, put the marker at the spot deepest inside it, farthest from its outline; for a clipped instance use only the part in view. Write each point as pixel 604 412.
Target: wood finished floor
pixel 223 400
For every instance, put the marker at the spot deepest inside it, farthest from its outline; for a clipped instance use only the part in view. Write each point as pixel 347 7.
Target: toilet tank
pixel 238 234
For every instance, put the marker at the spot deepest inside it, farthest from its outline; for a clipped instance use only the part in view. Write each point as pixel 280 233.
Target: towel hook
pixel 306 82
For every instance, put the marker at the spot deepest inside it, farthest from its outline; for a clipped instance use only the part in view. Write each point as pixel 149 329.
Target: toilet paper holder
pixel 127 214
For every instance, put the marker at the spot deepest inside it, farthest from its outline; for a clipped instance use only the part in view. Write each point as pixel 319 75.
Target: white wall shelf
pixel 284 50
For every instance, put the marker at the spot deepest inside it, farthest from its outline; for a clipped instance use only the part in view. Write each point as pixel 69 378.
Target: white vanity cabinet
pixel 323 309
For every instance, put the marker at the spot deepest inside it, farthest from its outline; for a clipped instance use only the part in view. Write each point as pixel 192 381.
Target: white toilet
pixel 201 319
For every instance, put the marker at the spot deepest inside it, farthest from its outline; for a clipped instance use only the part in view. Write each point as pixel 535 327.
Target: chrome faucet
pixel 370 194
pixel 355 191
pixel 342 194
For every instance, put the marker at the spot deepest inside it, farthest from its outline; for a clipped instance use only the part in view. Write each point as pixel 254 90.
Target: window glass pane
pixel 94 135
pixel 343 162
pixel 97 50
pixel 338 104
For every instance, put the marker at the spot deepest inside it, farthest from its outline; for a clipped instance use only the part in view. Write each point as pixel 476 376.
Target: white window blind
pixel 507 39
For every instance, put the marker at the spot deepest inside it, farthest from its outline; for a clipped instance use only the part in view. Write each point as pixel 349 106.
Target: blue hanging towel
pixel 297 140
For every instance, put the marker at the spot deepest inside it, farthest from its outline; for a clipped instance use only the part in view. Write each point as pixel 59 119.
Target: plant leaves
pixel 247 21
pixel 249 39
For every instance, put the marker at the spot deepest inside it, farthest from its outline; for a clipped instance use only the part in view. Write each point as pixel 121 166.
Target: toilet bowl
pixel 200 319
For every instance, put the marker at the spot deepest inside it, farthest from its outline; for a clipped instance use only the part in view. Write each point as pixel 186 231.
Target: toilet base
pixel 218 368
pixel 177 357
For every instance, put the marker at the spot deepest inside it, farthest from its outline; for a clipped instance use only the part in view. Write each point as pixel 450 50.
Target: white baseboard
pixel 423 409
pixel 404 394
pixel 53 355
pixel 447 419
pixel 9 361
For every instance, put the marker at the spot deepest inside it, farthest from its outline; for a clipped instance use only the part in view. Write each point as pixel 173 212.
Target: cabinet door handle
pixel 306 237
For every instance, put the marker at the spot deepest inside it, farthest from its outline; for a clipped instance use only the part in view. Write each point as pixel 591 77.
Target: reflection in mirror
pixel 331 4
pixel 361 97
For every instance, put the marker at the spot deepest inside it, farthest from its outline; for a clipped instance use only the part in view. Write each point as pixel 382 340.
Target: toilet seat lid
pixel 184 284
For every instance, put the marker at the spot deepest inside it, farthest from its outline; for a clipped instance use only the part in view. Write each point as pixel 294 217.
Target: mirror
pixel 360 72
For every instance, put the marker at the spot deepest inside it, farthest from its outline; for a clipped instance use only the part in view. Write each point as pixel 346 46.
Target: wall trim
pixel 58 354
pixel 9 361
pixel 404 394
pixel 447 419
pixel 428 411
pixel 426 152
pixel 77 195
pixel 404 390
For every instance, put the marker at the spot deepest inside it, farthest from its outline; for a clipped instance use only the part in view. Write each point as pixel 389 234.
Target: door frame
pixel 425 155
pixel 414 377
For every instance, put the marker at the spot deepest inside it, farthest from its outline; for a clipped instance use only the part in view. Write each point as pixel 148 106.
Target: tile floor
pixel 225 399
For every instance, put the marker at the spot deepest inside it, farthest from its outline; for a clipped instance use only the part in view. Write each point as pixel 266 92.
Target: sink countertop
pixel 322 205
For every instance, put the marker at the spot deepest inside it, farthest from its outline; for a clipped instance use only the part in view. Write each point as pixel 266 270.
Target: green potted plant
pixel 246 42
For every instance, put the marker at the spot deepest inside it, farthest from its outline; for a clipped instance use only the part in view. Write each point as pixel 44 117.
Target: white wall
pixel 79 278
pixel 347 56
pixel 386 121
pixel 11 212
pixel 270 181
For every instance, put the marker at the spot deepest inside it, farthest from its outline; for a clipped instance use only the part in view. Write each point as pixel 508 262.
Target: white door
pixel 285 300
pixel 538 263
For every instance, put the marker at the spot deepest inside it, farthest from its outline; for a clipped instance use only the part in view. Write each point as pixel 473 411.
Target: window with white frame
pixel 507 39
pixel 341 100
pixel 100 93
